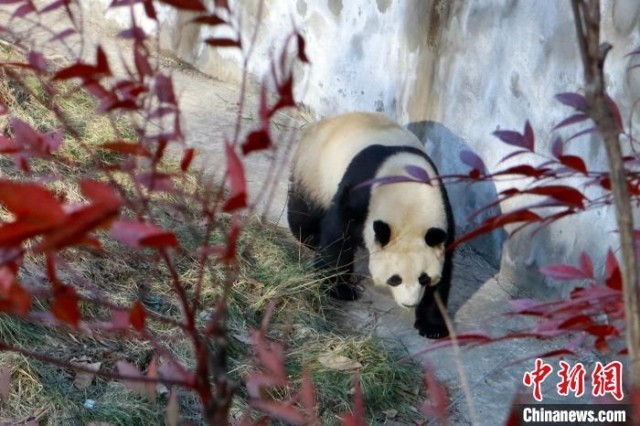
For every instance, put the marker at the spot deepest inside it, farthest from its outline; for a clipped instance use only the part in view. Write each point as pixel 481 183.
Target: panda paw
pixel 344 291
pixel 432 330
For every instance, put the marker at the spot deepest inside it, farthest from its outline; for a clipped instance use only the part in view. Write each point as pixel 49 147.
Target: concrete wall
pixel 454 71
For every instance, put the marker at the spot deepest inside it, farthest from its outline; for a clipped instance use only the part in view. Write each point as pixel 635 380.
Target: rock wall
pixel 454 71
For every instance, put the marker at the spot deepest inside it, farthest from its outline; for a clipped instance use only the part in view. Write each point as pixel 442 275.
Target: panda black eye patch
pixel 394 280
pixel 424 279
pixel 435 236
pixel 382 232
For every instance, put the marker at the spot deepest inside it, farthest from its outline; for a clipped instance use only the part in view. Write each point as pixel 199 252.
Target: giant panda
pixel 404 226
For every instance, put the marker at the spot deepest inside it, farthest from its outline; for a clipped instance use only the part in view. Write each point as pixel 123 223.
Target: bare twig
pixel 105 374
pixel 457 354
pixel 587 18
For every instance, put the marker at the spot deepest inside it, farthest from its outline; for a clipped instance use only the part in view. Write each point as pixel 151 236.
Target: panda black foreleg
pixel 304 217
pixel 429 319
pixel 335 257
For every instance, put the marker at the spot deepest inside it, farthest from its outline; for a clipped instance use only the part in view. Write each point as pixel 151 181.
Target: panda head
pixel 405 257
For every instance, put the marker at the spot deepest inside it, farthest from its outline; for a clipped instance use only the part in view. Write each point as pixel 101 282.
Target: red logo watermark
pixel 605 379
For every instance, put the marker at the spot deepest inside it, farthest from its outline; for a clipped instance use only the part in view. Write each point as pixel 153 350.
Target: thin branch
pixel 600 111
pixel 105 374
pixel 457 354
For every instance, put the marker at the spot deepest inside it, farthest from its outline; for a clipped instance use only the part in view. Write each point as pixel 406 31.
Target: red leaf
pixel 564 273
pixel 496 222
pixel 223 42
pixel 32 141
pixel 149 9
pixel 134 33
pixel 601 344
pixel 211 20
pixel 100 193
pixel 528 137
pixel 65 305
pixel 119 320
pixel 194 5
pixel 127 148
pixel 142 234
pixel 24 10
pixel 566 194
pixel 77 225
pixel 524 170
pixel 471 159
pixel 613 275
pixel 270 355
pixel 586 264
pixel 577 322
pixel 576 118
pixel 418 173
pixel 78 70
pixel 574 162
pixel 20 299
pixel 164 89
pixel 615 113
pixel 173 370
pixel 574 100
pixel 438 402
pixel 510 137
pixel 285 91
pixel 232 241
pixel 237 181
pixel 137 316
pixel 167 239
pixel 63 34
pixel 16 232
pixel 129 370
pixel 557 147
pixel 357 417
pixel 37 61
pixel 308 398
pixel 142 63
pixel 31 201
pixel 152 373
pixel 102 63
pixel 301 49
pixel 602 330
pixel 187 158
pixel 256 141
pixel 55 5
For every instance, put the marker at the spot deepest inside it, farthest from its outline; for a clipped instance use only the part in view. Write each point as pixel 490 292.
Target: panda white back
pixel 327 148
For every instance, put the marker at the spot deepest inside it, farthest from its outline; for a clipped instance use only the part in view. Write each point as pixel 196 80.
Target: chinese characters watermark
pixel 605 379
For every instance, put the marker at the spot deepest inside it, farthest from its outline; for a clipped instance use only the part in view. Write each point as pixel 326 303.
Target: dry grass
pixel 271 269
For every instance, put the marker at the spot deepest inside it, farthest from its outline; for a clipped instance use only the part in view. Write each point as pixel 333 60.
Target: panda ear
pixel 382 232
pixel 435 237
